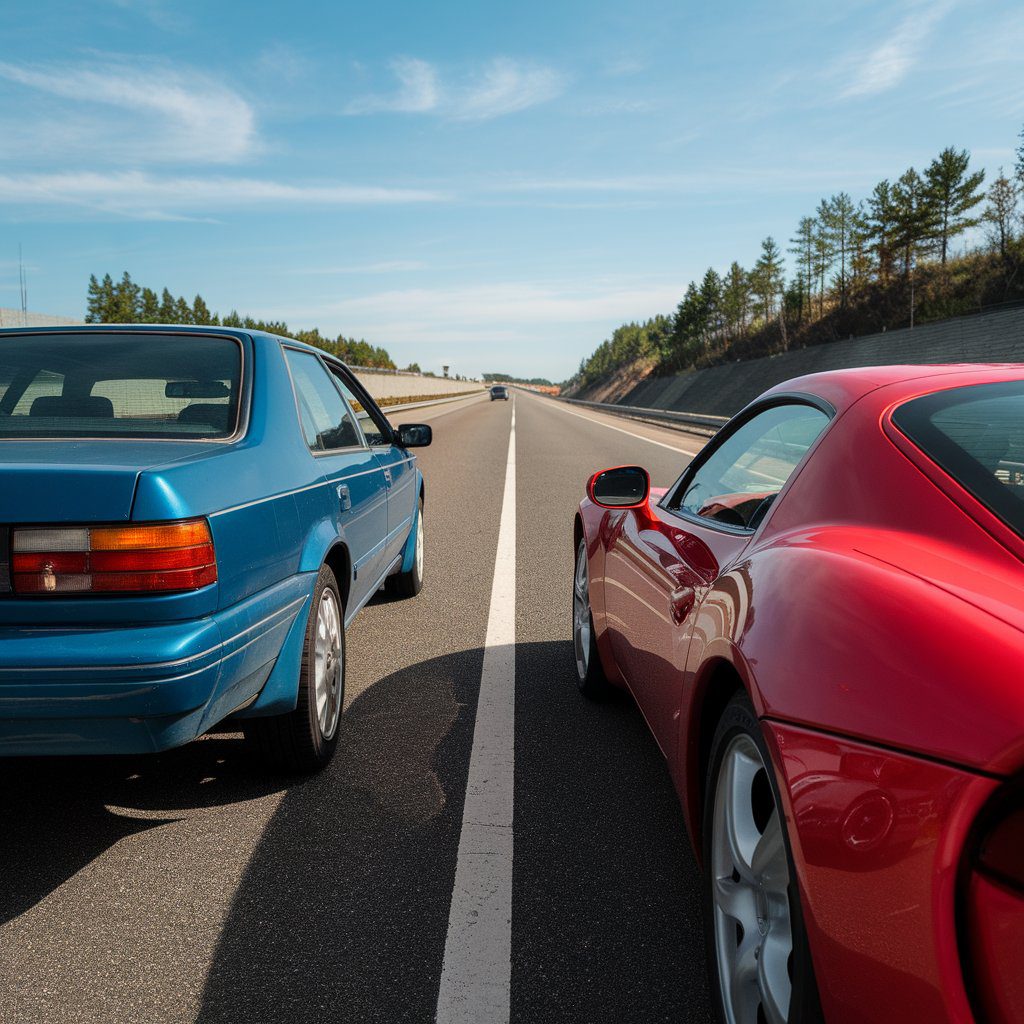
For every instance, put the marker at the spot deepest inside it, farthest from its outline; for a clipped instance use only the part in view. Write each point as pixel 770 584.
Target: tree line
pixel 505 378
pixel 886 261
pixel 125 302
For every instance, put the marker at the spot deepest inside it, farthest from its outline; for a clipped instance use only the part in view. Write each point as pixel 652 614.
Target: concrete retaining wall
pixel 724 390
pixel 15 318
pixel 404 385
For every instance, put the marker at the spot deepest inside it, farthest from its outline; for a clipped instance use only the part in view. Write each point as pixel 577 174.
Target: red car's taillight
pixel 156 557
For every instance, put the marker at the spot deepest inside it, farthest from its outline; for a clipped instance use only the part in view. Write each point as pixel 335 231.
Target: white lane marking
pixel 477 971
pixel 639 437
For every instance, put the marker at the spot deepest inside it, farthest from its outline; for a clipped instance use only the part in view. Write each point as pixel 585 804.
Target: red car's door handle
pixel 682 603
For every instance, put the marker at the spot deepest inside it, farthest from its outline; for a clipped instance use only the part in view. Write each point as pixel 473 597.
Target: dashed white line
pixel 477 971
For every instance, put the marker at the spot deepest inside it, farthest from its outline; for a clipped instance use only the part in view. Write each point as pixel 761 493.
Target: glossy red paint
pixel 876 618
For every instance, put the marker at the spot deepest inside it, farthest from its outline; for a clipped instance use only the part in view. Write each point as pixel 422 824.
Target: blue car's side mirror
pixel 414 435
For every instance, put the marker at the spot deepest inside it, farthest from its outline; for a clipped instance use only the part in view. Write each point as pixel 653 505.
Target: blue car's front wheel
pixel 303 740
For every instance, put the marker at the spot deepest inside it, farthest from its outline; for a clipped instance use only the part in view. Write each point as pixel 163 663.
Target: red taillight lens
pixel 156 557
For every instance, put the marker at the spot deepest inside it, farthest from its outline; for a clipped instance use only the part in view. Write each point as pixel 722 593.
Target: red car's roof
pixel 842 388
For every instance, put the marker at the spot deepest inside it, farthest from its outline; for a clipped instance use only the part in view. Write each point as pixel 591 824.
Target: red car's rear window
pixel 96 385
pixel 976 434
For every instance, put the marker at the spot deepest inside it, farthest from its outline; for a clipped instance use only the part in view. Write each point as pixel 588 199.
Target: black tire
pixel 297 741
pixel 590 677
pixel 409 584
pixel 738 721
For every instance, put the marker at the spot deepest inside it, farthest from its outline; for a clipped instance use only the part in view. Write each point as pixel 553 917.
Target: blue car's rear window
pixel 95 385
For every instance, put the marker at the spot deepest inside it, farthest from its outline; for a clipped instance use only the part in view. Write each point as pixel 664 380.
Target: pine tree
pixel 711 298
pixel 736 299
pixel 182 311
pixel 952 193
pixel 837 218
pixel 803 249
pixel 767 277
pixel 915 219
pixel 200 311
pixel 149 307
pixel 167 307
pixel 98 299
pixel 1001 213
pixel 882 228
pixel 125 304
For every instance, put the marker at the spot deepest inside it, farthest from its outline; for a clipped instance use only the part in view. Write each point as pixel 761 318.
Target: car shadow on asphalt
pixel 342 909
pixel 59 814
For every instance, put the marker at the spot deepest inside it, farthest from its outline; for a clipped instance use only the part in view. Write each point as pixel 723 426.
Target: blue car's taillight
pixel 153 557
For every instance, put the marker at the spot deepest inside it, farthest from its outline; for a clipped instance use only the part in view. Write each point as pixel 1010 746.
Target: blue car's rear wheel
pixel 303 740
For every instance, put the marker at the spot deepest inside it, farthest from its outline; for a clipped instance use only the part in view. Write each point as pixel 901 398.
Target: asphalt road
pixel 194 886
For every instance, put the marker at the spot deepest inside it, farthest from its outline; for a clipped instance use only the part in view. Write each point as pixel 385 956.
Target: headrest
pixel 212 414
pixel 81 406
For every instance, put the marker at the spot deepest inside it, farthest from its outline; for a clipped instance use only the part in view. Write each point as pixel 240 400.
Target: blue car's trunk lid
pixel 77 481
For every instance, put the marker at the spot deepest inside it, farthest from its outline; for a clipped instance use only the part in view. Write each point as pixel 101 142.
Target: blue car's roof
pixel 259 337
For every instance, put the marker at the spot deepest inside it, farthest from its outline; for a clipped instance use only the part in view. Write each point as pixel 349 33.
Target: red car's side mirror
pixel 621 487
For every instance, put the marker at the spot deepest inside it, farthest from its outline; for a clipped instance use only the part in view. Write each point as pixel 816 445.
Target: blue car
pixel 190 518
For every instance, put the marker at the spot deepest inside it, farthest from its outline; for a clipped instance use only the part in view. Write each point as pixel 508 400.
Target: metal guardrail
pixel 692 422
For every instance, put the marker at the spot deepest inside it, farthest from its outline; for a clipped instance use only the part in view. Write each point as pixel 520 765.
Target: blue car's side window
pixel 326 420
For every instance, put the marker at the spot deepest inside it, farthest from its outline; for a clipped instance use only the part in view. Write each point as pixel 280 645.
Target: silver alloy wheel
pixel 419 546
pixel 750 875
pixel 328 663
pixel 581 612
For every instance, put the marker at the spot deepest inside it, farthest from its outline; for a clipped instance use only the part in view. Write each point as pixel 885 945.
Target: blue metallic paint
pixel 132 674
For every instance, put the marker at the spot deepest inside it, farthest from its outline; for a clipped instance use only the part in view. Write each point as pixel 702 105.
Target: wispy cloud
pixel 381 267
pixel 502 86
pixel 887 64
pixel 418 90
pixel 505 309
pixel 142 196
pixel 155 11
pixel 182 116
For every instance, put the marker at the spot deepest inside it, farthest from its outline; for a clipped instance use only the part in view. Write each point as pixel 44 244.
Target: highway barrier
pixel 690 422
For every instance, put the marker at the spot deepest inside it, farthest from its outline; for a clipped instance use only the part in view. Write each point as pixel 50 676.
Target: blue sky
pixel 495 187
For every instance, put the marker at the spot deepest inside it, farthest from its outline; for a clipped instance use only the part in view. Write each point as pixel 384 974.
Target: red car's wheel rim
pixel 750 876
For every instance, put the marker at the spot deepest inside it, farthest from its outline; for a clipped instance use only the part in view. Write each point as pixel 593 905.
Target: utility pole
pixel 913 264
pixel 23 286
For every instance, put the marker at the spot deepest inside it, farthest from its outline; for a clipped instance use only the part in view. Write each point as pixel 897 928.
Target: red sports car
pixel 822 622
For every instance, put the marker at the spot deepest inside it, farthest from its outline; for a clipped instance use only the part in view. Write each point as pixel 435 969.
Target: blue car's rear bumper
pixel 143 688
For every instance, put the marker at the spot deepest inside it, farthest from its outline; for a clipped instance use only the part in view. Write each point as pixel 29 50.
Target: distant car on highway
pixel 822 621
pixel 498 391
pixel 190 518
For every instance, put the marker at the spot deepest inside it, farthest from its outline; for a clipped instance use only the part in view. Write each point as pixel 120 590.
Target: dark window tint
pixel 119 385
pixel 976 434
pixel 738 482
pixel 326 420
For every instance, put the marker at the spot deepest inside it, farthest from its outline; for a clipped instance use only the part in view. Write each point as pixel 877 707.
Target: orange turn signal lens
pixel 150 558
pixel 185 534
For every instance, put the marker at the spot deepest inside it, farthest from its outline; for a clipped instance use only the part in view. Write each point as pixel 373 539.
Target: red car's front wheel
pixel 589 673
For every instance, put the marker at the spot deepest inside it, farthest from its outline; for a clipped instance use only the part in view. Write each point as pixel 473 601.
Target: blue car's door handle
pixel 387 476
pixel 344 497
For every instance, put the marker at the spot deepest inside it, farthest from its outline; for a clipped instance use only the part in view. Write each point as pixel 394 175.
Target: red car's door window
pixel 661 562
pixel 736 485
